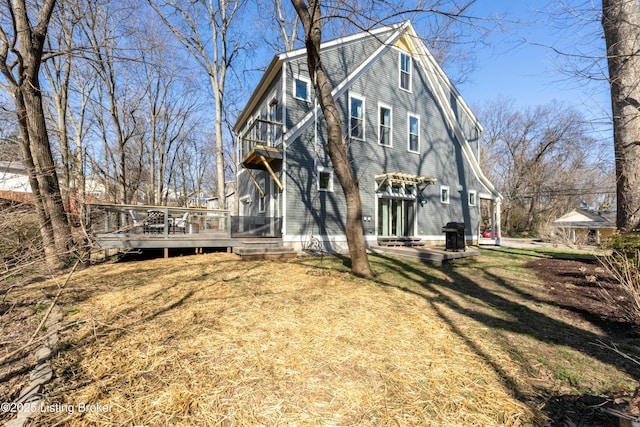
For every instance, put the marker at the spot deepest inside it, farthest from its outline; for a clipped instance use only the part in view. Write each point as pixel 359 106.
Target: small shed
pixel 585 225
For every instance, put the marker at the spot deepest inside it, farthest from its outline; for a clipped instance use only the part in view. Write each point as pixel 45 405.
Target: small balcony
pixel 261 148
pixel 261 145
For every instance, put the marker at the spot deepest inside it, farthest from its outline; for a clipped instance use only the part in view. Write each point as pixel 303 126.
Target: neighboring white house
pixel 14 182
pixel 13 177
pixel 585 226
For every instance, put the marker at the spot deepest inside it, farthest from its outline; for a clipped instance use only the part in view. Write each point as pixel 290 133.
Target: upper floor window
pixel 301 88
pixel 414 133
pixel 272 128
pixel 356 121
pixel 405 71
pixel 384 119
pixel 472 198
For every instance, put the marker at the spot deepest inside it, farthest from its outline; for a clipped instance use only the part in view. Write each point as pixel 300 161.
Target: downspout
pixel 284 152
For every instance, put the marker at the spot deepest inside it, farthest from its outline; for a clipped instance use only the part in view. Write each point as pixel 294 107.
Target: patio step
pixel 263 253
pixel 400 241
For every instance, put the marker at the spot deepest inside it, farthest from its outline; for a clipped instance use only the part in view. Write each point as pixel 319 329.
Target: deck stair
pixel 400 241
pixel 262 252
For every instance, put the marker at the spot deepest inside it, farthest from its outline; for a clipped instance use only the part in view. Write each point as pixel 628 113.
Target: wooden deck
pixel 123 227
pixel 179 240
pixel 433 254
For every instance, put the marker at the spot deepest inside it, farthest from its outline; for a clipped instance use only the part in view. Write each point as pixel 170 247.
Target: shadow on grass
pixel 543 253
pixel 447 291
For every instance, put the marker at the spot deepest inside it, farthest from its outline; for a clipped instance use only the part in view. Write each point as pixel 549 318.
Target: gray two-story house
pixel 413 142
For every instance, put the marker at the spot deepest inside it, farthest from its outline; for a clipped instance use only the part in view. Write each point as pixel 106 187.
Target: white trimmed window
pixel 413 143
pixel 325 179
pixel 301 88
pixel 405 71
pixel 472 198
pixel 356 117
pixel 384 126
pixel 444 194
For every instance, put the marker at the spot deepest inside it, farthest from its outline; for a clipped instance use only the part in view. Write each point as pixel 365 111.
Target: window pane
pixel 414 133
pixel 385 126
pixel 301 89
pixel 405 63
pixel 444 197
pixel 325 179
pixel 405 71
pixel 357 118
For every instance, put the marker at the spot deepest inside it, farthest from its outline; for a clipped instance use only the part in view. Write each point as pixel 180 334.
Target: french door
pixel 396 217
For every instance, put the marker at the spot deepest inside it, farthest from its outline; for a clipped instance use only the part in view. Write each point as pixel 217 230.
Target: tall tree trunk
pixel 44 222
pixel 28 45
pixel 336 147
pixel 621 24
pixel 45 168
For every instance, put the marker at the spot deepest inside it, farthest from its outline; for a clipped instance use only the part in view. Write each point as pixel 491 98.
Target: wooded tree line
pixel 546 161
pixel 140 96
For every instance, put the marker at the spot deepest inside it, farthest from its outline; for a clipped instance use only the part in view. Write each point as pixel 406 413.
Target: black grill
pixel 454 236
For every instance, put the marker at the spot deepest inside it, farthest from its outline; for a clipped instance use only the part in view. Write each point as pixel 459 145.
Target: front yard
pixel 211 340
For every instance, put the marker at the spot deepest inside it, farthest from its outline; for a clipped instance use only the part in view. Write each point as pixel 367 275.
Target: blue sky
pixel 520 63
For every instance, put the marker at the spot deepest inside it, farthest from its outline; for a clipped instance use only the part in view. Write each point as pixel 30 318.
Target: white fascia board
pixel 298 53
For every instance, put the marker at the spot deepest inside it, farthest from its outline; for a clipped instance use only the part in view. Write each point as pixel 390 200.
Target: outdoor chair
pixel 138 222
pixel 154 222
pixel 180 224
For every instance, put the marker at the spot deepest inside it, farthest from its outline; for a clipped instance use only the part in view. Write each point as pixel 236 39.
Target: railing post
pixel 228 214
pixel 165 213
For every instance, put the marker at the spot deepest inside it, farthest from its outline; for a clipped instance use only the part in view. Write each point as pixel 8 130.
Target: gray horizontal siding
pixel 439 157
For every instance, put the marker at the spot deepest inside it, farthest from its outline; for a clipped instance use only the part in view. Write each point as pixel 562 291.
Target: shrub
pixel 623 264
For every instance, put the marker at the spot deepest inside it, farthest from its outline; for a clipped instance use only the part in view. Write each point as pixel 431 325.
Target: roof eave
pixel 267 77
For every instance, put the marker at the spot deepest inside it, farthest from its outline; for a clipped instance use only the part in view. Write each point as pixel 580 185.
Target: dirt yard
pixel 577 287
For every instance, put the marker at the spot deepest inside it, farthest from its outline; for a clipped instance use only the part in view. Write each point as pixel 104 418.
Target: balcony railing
pixel 262 133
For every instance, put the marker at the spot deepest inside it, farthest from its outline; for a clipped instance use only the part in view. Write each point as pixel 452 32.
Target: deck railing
pixel 256 226
pixel 156 221
pixel 164 221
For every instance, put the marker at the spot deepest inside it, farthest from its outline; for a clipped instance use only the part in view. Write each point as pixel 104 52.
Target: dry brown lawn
pixel 211 340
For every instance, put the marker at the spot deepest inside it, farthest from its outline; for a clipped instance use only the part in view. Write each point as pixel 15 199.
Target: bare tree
pixel 205 29
pixel 57 71
pixel 311 18
pixel 276 18
pixel 170 104
pixel 117 98
pixel 543 160
pixel 21 53
pixel 621 24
